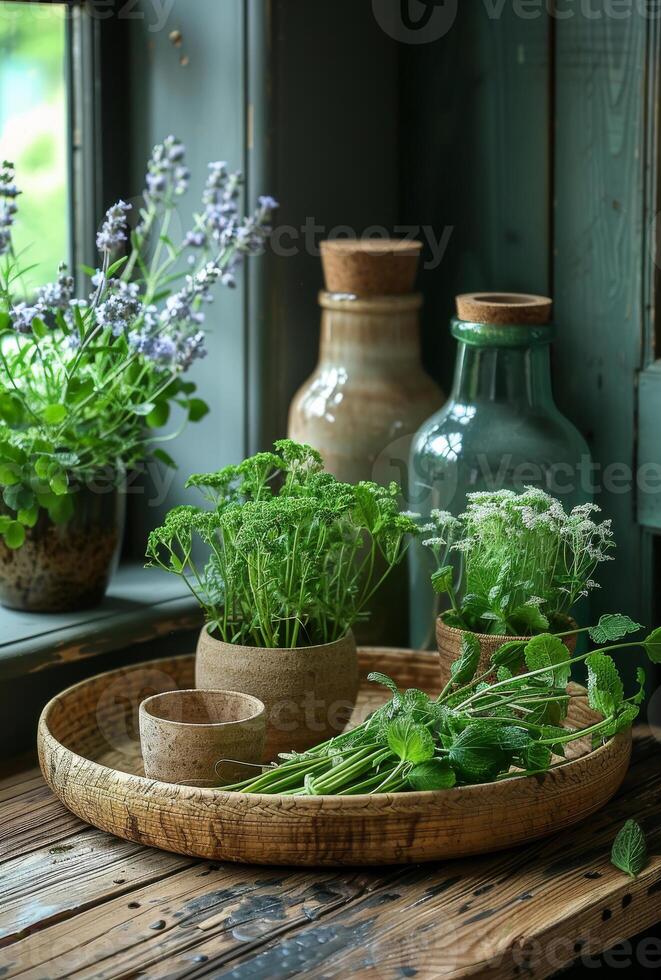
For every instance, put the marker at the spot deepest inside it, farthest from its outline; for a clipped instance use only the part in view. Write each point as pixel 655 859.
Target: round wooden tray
pixel 90 756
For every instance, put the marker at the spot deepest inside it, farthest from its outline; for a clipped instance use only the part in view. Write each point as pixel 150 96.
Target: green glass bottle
pixel 499 429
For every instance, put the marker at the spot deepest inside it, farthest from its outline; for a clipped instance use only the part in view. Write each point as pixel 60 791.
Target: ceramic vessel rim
pixel 202 725
pixel 348 636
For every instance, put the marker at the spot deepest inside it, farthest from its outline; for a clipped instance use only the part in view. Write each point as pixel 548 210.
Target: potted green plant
pixel 524 562
pixel 289 567
pixel 87 382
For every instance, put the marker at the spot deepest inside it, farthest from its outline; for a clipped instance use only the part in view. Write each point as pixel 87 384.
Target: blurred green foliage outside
pixel 33 132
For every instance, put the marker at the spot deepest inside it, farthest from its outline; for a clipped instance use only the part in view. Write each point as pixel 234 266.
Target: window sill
pixel 142 605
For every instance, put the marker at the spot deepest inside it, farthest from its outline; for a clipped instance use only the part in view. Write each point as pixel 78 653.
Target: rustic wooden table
pixel 76 902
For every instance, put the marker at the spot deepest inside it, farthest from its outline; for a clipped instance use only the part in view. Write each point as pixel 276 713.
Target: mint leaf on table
pixel 410 741
pixel 547 650
pixel 613 626
pixel 463 669
pixel 629 852
pixel 432 775
pixel 605 690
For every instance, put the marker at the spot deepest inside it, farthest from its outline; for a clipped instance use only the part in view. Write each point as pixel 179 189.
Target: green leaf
pixel 409 741
pixel 652 644
pixel 442 579
pixel 509 655
pixel 513 739
pixel 165 458
pixel 29 516
pixel 116 266
pixel 59 482
pixel 434 774
pixel 60 508
pixel 613 627
pixel 54 414
pixel 39 328
pixel 377 678
pixel 42 467
pixel 528 619
pixel 629 852
pixel 463 669
pixel 5 321
pixel 605 690
pixel 477 754
pixel 158 416
pixel 18 497
pixel 547 650
pixel 14 535
pixel 9 475
pixel 536 757
pixel 626 716
pixel 197 409
pixel 11 408
pixel 639 697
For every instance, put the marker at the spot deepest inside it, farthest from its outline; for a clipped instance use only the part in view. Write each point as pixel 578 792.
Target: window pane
pixel 33 130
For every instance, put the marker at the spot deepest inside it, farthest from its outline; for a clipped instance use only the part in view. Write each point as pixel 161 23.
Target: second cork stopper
pixel 370 267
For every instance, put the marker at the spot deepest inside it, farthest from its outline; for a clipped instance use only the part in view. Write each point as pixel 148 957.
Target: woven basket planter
pixel 449 639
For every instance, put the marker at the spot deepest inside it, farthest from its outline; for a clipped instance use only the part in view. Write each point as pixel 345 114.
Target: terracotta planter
pixel 184 735
pixel 309 692
pixel 448 640
pixel 66 567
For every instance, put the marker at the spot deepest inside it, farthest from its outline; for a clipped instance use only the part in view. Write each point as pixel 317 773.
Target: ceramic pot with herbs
pixel 525 563
pixel 64 566
pixel 308 692
pixel 294 558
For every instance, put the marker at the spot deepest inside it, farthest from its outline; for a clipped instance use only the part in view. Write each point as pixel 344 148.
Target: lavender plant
pixel 86 382
pixel 291 551
pixel 524 560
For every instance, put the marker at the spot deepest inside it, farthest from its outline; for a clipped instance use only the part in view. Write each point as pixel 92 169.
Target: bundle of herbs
pixel 483 727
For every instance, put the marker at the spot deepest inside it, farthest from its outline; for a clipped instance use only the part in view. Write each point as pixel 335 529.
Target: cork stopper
pixel 504 308
pixel 370 267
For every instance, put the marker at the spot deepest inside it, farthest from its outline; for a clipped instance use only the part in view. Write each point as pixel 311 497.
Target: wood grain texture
pixel 90 758
pixel 527 912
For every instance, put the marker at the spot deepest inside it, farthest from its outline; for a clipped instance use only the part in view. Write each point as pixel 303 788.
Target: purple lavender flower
pixel 167 170
pixel 23 315
pixel 121 307
pixel 56 295
pixel 113 230
pixel 8 208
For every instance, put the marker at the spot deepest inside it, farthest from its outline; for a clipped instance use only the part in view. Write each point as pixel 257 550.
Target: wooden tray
pixel 89 752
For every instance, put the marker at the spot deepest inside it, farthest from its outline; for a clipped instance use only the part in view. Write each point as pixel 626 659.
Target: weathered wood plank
pixel 30 817
pixel 199 920
pixel 56 882
pixel 599 248
pixel 221 908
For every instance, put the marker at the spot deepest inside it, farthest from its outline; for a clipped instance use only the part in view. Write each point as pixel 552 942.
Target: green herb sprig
pixel 483 727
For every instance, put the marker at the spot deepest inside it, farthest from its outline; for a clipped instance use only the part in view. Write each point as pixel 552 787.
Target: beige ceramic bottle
pixel 368 395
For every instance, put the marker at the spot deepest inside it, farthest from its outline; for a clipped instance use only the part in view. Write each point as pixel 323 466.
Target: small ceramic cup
pixel 186 736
